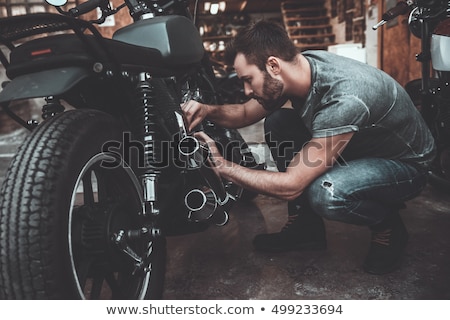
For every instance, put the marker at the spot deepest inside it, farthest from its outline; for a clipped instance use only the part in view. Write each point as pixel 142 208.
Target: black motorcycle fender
pixel 45 83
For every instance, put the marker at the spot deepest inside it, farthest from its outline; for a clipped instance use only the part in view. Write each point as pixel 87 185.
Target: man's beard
pixel 272 91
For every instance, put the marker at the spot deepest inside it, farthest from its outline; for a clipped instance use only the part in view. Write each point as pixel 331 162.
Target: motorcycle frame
pixel 434 88
pixel 428 97
pixel 43 23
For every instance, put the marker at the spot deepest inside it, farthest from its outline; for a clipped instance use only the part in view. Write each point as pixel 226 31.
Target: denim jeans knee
pixel 364 191
pixel 324 200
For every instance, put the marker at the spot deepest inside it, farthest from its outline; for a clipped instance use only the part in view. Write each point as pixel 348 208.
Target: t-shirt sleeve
pixel 340 115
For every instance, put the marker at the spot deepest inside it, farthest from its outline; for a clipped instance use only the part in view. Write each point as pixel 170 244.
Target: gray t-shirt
pixel 350 96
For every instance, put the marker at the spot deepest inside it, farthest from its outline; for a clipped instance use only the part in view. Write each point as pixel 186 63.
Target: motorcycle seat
pixel 68 50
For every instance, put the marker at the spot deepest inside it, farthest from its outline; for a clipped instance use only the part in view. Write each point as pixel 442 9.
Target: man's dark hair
pixel 260 40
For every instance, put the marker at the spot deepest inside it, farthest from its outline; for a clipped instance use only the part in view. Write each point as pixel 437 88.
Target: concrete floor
pixel 220 263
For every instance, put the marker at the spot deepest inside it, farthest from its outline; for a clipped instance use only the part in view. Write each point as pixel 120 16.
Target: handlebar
pixel 430 9
pixel 87 6
pixel 402 7
pixel 137 8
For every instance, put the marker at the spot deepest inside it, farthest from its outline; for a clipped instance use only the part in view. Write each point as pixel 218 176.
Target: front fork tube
pixel 425 59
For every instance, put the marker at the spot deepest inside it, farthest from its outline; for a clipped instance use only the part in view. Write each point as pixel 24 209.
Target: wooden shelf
pixel 311 27
pixel 307 18
pixel 316 36
pixel 314 9
pixel 308 24
pixel 295 3
pixel 316 46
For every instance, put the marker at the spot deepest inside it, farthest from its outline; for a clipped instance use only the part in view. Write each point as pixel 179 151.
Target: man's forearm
pixel 235 116
pixel 228 116
pixel 275 184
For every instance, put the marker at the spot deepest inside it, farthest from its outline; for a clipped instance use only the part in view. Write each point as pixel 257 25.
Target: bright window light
pixel 214 8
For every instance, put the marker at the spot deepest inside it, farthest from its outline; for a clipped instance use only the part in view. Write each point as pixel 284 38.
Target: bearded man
pixel 351 148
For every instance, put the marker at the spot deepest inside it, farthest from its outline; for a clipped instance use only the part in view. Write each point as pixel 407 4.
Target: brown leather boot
pixel 389 239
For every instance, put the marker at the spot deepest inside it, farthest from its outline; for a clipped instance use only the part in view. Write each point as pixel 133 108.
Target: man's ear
pixel 273 65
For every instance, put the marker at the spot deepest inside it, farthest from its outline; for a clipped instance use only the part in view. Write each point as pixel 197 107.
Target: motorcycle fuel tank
pixel 440 46
pixel 175 37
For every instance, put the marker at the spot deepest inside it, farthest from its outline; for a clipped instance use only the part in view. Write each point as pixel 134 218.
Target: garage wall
pixel 398 48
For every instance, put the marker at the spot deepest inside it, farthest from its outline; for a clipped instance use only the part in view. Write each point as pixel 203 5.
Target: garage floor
pixel 220 262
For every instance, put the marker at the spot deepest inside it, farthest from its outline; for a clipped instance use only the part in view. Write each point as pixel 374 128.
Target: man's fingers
pixel 191 113
pixel 209 142
pixel 203 136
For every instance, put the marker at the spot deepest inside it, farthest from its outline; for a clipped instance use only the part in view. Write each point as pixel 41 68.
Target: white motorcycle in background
pixel 429 20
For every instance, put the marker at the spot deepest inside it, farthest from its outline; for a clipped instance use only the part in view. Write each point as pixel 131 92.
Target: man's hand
pixel 194 113
pixel 215 158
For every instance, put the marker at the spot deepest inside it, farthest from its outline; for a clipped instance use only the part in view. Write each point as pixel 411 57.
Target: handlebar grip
pixel 85 7
pixel 401 8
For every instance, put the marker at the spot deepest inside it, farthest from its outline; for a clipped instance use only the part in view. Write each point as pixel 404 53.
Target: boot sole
pixel 382 271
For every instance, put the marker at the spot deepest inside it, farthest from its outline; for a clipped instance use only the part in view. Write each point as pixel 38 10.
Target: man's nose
pixel 247 89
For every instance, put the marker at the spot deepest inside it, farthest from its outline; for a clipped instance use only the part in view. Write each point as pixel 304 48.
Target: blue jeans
pixel 362 191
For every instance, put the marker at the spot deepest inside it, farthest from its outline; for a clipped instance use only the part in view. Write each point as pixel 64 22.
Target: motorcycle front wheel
pixel 63 204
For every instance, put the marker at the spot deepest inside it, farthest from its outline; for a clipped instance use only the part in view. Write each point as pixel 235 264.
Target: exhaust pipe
pixel 193 153
pixel 204 205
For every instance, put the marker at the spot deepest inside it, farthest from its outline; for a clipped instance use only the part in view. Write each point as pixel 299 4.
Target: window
pixel 18 7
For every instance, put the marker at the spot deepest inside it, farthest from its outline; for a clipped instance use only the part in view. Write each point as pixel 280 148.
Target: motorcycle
pixel 96 188
pixel 429 20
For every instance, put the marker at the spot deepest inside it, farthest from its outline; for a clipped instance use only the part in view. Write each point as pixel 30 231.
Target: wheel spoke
pixel 110 204
pixel 103 189
pixel 113 284
pixel 97 285
pixel 88 192
pixel 83 271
